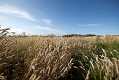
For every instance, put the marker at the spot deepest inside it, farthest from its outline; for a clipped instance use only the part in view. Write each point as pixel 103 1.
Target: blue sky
pixel 61 16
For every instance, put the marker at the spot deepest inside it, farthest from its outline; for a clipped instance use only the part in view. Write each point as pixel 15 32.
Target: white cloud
pixel 45 26
pixel 3 18
pixel 86 25
pixel 45 30
pixel 47 21
pixel 37 30
pixel 93 24
pixel 7 9
pixel 17 30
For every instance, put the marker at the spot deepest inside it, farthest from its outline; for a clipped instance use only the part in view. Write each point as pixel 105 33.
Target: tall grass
pixel 42 58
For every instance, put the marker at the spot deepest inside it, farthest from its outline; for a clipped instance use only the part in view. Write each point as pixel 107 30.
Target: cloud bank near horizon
pixel 44 25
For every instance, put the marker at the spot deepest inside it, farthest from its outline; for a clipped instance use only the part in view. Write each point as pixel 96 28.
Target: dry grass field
pixel 45 58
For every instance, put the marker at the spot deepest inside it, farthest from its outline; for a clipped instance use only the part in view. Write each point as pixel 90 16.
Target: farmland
pixel 72 58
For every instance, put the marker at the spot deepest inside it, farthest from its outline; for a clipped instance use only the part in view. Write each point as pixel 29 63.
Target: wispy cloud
pixel 47 21
pixel 34 29
pixel 37 30
pixel 44 25
pixel 89 25
pixel 17 30
pixel 48 29
pixel 3 18
pixel 8 9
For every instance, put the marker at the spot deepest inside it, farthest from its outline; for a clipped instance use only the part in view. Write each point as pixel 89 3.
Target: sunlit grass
pixel 43 58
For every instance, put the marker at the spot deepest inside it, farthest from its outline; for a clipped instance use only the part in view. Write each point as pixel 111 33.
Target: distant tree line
pixel 5 32
pixel 79 35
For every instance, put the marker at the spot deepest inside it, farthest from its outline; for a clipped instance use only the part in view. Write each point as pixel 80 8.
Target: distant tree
pixel 51 35
pixel 23 34
pixel 89 35
pixel 71 35
pixel 35 35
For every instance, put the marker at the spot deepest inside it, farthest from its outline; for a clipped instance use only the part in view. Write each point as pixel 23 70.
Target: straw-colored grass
pixel 43 58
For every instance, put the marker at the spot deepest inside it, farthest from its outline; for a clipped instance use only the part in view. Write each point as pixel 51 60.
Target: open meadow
pixel 59 58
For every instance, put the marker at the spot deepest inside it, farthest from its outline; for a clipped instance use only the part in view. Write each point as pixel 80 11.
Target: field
pixel 57 58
